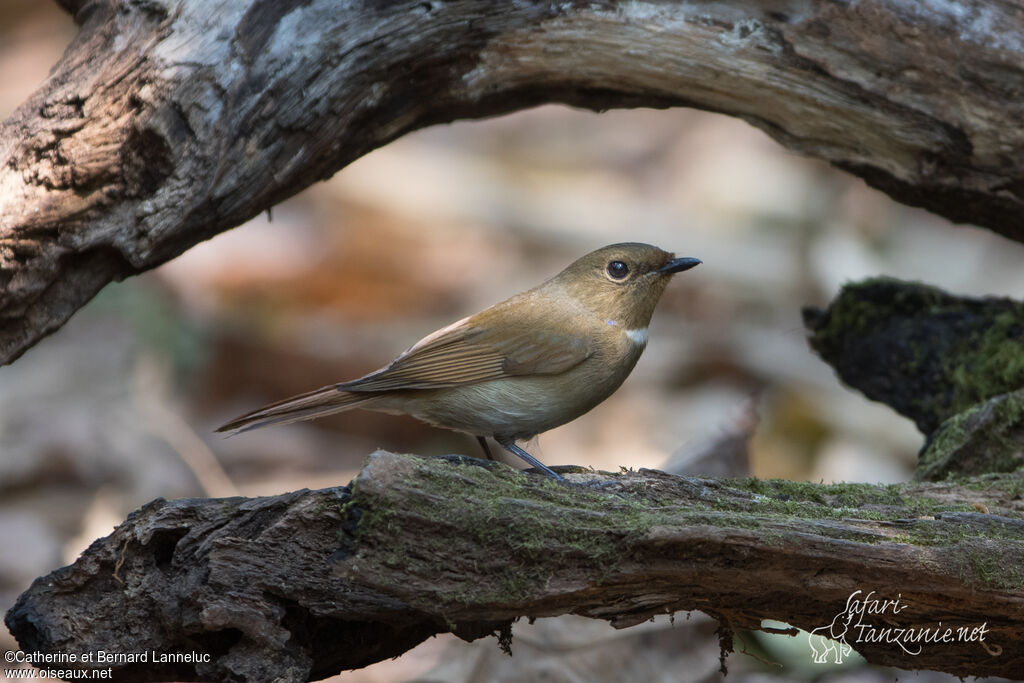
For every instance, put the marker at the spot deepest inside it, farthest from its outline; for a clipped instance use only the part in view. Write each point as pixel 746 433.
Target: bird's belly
pixel 514 408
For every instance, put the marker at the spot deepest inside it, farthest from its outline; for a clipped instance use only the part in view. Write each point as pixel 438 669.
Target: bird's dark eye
pixel 618 270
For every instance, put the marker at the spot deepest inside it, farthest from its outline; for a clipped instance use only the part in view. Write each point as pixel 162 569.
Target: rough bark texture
pixel 298 586
pixel 954 365
pixel 168 121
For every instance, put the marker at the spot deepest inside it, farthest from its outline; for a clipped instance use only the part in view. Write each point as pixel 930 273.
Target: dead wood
pixel 298 586
pixel 952 364
pixel 169 121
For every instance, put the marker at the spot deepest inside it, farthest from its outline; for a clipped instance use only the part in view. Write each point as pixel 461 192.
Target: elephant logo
pixel 831 639
pixel 855 624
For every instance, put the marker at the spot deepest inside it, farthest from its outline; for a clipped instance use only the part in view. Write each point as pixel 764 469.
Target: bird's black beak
pixel 678 265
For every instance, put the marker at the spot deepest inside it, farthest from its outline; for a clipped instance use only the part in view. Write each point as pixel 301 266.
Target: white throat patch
pixel 638 336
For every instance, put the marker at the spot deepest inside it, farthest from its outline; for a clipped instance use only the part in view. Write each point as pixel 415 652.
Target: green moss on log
pixel 987 437
pixel 926 353
pixel 523 531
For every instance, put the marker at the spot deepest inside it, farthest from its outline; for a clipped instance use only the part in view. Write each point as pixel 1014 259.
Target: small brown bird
pixel 526 365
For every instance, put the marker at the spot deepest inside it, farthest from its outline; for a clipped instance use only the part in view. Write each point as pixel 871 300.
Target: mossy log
pixel 954 365
pixel 298 586
pixel 168 121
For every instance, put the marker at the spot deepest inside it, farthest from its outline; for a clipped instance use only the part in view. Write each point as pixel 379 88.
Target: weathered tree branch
pixel 298 586
pixel 168 121
pixel 954 365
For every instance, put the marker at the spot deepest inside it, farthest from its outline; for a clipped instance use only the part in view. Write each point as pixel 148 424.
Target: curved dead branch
pixel 168 121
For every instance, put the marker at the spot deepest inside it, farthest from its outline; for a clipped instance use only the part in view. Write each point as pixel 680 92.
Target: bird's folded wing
pixel 464 353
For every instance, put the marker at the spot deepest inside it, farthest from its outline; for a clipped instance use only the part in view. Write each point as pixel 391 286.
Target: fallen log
pixel 299 586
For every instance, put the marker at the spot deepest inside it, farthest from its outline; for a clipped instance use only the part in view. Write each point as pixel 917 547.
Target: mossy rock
pixel 988 437
pixel 928 354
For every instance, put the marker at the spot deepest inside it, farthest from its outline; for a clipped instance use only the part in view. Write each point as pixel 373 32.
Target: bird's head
pixel 622 282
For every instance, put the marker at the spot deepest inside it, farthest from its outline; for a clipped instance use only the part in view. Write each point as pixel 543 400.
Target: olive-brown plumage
pixel 521 367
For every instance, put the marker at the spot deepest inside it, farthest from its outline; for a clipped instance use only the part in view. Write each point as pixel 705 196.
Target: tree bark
pixel 168 121
pixel 298 586
pixel 954 365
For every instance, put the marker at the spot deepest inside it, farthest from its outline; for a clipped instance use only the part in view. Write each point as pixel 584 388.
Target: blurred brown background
pixel 118 407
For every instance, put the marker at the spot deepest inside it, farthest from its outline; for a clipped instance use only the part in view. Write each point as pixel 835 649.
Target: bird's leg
pixel 512 448
pixel 487 449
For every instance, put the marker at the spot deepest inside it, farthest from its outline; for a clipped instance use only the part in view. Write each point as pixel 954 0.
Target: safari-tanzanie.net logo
pixel 868 619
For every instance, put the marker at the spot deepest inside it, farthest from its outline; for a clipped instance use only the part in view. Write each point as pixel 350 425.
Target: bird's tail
pixel 306 406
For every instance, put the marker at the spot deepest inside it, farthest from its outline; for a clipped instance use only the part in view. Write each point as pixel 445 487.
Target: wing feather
pixel 477 349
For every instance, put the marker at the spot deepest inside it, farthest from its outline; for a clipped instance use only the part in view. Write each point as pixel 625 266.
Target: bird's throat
pixel 638 336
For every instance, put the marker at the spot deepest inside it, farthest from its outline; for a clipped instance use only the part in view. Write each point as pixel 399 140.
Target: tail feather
pixel 318 403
